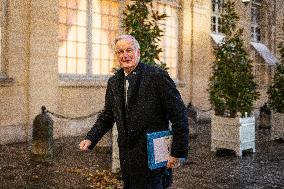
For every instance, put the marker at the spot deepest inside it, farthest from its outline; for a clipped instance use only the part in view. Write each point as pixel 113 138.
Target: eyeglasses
pixel 128 51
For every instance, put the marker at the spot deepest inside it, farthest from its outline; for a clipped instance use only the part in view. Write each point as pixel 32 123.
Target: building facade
pixel 59 54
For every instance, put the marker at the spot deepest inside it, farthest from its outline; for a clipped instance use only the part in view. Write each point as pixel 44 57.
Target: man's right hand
pixel 84 144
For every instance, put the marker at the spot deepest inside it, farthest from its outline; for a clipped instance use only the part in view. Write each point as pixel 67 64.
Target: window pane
pixel 105 28
pixel 96 36
pixel 218 29
pixel 96 66
pixel 216 16
pixel 62 65
pixel 96 52
pixel 71 65
pixel 105 67
pixel 82 34
pixel 82 66
pixel 74 39
pixel 214 28
pixel 105 37
pixel 97 20
pixel 169 41
pixel 213 5
pixel 81 50
pixel 213 19
pixel 106 51
pixel 0 49
pixel 72 33
pixel 71 49
pixel 82 18
pixel 255 20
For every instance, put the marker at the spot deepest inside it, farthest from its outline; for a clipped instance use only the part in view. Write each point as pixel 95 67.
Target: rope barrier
pixel 99 112
pixel 68 117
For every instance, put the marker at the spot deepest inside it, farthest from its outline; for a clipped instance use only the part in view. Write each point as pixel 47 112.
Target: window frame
pixel 89 76
pixel 4 79
pixel 176 5
pixel 216 6
pixel 3 38
pixel 90 79
pixel 255 21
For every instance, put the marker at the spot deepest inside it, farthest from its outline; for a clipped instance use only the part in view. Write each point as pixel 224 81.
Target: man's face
pixel 127 55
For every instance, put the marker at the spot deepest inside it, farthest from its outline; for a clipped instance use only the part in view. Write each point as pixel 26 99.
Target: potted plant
pixel 232 89
pixel 276 98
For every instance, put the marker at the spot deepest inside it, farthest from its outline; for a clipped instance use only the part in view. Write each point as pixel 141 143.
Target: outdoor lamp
pixel 245 1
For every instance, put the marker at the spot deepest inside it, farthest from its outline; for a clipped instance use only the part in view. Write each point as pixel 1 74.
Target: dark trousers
pixel 151 184
pixel 158 181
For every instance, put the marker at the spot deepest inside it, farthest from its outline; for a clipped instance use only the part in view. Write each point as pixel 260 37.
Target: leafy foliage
pixel 232 87
pixel 141 21
pixel 276 90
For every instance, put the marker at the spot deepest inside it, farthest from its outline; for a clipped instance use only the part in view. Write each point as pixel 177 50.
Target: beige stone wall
pixel 43 46
pixel 272 16
pixel 31 61
pixel 76 101
pixel 13 101
pixel 279 25
pixel 201 53
pixel 185 52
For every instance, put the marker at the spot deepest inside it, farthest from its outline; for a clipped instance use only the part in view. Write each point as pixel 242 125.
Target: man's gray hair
pixel 128 37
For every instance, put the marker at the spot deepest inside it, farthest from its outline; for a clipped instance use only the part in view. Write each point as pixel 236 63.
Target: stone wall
pixel 29 61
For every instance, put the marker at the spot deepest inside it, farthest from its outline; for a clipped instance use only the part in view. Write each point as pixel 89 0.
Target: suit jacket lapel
pixel 134 83
pixel 119 91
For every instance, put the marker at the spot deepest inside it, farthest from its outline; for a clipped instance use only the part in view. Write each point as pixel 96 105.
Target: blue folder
pixel 151 151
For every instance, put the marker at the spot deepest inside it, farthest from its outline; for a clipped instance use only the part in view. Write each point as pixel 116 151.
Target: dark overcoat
pixel 152 100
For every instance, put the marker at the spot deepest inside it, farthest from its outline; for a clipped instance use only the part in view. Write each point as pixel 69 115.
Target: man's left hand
pixel 172 162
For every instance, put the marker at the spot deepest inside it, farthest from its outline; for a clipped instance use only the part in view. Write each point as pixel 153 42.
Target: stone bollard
pixel 264 117
pixel 42 139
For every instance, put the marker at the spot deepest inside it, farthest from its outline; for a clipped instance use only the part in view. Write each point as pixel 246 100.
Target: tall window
pixel 2 23
pixel 216 16
pixel 255 20
pixel 169 42
pixel 87 30
pixel 1 50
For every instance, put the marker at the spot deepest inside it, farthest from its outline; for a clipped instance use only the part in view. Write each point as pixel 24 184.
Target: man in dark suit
pixel 141 99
